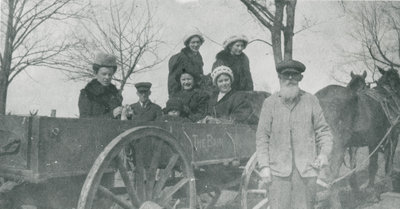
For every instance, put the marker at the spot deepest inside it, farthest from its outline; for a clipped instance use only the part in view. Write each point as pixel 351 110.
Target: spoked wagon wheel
pixel 253 192
pixel 154 157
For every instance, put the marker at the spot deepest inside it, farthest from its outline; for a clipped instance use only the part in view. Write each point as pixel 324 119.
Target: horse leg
pixel 336 163
pixel 353 163
pixel 372 170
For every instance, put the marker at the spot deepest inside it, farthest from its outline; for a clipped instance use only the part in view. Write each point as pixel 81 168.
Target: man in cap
pixel 293 141
pixel 144 109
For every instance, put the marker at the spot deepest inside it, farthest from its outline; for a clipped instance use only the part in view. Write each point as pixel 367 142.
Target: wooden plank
pixel 172 190
pixel 151 174
pixel 165 174
pixel 128 183
pixel 107 193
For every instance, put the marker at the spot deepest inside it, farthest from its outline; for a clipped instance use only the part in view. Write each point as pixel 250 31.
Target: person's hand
pixel 265 175
pixel 322 160
pixel 124 112
pixel 117 111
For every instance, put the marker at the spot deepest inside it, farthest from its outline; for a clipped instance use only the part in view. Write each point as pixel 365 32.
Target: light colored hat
pixel 105 60
pixel 221 70
pixel 190 35
pixel 234 39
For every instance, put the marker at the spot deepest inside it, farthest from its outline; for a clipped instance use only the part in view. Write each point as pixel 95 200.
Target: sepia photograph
pixel 199 104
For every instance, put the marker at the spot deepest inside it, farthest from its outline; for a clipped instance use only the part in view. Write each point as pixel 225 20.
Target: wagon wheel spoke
pixel 165 174
pixel 108 194
pixel 151 176
pixel 254 194
pixel 140 171
pixel 168 192
pixel 128 183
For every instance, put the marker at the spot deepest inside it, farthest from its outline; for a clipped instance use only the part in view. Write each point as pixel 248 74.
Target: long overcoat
pixel 98 101
pixel 240 67
pixel 292 136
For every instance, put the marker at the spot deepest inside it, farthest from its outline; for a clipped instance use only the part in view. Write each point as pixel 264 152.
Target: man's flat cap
pixel 290 64
pixel 143 86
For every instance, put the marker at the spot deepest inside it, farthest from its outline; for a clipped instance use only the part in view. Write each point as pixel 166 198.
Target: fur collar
pixel 94 87
pixel 225 55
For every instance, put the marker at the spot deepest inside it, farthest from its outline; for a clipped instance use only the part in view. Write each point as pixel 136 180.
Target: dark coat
pixel 151 112
pixel 233 106
pixel 97 100
pixel 195 103
pixel 240 67
pixel 185 59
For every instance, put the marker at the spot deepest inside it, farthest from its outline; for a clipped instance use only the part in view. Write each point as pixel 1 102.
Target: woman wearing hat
pixel 188 58
pixel 233 57
pixel 194 100
pixel 100 98
pixel 227 105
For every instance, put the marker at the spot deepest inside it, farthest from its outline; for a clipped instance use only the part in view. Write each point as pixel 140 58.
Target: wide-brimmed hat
pixel 192 34
pixel 105 60
pixel 234 39
pixel 174 104
pixel 290 66
pixel 219 71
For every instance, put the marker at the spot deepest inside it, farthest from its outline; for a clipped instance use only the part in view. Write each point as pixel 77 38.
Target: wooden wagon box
pixel 63 147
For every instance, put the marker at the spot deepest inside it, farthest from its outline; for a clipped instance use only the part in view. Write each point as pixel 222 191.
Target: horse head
pixel 389 80
pixel 357 82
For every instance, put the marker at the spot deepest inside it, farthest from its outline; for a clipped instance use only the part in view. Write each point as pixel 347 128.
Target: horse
pixel 356 120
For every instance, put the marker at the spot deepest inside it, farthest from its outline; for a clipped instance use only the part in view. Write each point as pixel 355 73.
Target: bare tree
pixel 377 29
pixel 125 29
pixel 23 46
pixel 278 17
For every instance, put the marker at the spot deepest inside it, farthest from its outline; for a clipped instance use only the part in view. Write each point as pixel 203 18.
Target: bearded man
pixel 293 141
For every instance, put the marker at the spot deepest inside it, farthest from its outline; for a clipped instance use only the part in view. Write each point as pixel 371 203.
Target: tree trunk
pixel 3 93
pixel 5 67
pixel 288 31
pixel 276 31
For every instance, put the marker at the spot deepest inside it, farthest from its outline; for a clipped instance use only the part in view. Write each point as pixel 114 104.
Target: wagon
pixel 75 163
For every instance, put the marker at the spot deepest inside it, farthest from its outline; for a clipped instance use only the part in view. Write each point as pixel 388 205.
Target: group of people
pixel 224 103
pixel 293 140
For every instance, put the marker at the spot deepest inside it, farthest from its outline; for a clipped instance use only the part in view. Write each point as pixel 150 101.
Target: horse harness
pixel 390 104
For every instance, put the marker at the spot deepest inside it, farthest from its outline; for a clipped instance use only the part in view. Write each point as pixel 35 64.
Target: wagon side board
pixel 63 147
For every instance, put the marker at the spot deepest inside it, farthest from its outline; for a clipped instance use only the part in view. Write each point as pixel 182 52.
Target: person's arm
pixel 263 134
pixel 201 101
pixel 323 136
pixel 173 66
pixel 84 105
pixel 242 109
pixel 158 112
pixel 248 80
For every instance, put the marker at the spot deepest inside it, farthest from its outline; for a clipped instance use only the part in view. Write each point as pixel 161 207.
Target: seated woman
pixel 100 98
pixel 194 100
pixel 173 112
pixel 227 105
pixel 233 57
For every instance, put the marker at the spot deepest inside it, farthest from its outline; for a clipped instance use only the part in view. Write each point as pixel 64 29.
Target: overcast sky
pixel 320 48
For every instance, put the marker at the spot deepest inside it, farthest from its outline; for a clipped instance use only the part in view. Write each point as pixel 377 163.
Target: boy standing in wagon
pixel 144 110
pixel 293 141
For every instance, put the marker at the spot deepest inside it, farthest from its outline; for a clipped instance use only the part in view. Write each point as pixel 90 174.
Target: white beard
pixel 289 93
